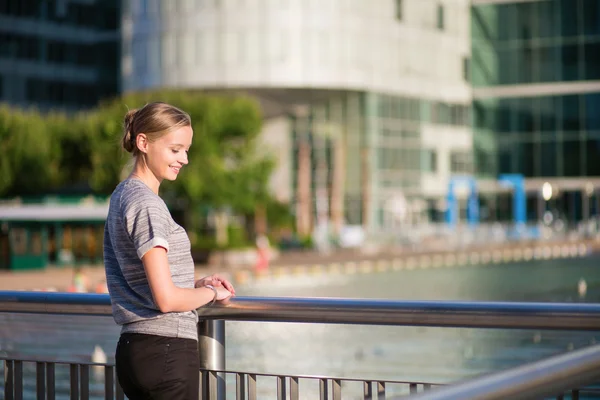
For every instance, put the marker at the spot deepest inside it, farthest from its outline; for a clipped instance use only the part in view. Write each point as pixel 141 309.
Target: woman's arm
pixel 167 296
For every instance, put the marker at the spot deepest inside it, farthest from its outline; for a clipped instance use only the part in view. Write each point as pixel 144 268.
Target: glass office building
pixel 535 70
pixel 59 54
pixel 366 103
pixel 536 78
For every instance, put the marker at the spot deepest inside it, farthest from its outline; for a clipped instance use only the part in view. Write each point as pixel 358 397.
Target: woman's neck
pixel 146 176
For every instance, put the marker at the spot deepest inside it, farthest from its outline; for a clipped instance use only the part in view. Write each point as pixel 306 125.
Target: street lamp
pixel 547 191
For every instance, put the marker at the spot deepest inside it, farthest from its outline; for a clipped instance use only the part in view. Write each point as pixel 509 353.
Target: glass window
pixel 592 149
pixel 547 114
pixel 506 21
pixel 484 160
pixel 461 162
pixel 525 156
pixel 504 115
pixel 571 157
pixel 591 17
pixel 570 114
pixel 524 19
pixel 505 159
pixel 592 60
pixel 548 158
pixel 399 10
pixel 592 113
pixel 479 115
pixel 525 115
pixel 546 17
pixel 440 17
pixel 568 18
pixel 569 62
pixel 546 70
pixel 429 160
pixel 507 65
pixel 466 64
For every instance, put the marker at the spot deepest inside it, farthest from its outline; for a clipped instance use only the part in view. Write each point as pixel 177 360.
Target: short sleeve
pixel 147 224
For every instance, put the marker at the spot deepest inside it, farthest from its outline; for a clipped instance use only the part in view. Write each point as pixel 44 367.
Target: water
pixel 352 351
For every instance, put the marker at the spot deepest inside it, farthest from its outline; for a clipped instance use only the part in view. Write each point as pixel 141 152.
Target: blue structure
pixel 472 203
pixel 514 181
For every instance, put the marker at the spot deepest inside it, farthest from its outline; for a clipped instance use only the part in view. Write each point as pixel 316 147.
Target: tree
pixel 56 150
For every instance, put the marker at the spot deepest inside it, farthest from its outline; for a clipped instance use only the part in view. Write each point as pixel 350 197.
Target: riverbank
pixel 339 262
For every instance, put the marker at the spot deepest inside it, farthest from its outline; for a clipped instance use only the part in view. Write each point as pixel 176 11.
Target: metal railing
pixel 549 377
pixel 556 316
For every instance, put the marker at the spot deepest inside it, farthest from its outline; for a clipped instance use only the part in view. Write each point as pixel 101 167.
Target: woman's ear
pixel 141 140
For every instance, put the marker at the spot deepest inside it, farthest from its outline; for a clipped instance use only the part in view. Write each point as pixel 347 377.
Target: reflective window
pixel 529 42
pixel 540 136
pixel 440 17
pixel 399 10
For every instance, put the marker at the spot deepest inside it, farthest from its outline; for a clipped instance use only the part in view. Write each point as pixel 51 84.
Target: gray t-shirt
pixel 137 221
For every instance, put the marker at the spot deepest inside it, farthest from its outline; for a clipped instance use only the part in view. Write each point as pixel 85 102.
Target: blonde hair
pixel 154 120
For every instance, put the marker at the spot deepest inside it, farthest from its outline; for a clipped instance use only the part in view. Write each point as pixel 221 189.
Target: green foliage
pixel 46 153
pixel 279 215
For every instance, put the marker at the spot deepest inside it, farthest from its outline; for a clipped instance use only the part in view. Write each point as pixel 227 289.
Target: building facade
pixel 366 104
pixel 59 54
pixel 536 88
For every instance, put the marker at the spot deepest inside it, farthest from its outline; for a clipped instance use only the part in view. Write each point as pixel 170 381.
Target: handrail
pixel 549 377
pixel 559 316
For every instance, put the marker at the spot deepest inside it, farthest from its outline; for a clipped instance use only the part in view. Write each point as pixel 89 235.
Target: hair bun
pixel 129 136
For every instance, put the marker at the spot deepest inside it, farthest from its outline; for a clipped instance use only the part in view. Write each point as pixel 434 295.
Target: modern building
pixel 59 54
pixel 536 89
pixel 366 103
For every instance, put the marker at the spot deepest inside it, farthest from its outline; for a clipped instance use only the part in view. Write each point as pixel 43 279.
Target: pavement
pixel 54 278
pixel 60 278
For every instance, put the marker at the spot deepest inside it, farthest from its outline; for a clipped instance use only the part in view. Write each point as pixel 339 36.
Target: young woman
pixel 149 267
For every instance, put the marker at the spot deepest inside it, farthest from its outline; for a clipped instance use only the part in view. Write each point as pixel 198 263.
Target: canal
pixel 384 353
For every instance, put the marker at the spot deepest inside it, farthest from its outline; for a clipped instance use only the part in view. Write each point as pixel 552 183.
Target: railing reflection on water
pixel 558 316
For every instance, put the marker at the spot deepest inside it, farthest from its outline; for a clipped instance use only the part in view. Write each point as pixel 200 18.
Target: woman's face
pixel 167 155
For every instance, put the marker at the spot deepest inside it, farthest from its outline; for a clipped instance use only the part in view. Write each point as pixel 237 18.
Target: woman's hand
pixel 223 295
pixel 218 282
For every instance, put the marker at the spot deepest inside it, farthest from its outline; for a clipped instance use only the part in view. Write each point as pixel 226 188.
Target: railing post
pixel 211 348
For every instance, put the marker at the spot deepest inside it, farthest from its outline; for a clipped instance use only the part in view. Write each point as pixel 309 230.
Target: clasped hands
pixel 225 289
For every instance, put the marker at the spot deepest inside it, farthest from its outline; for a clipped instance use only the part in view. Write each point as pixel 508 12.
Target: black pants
pixel 157 367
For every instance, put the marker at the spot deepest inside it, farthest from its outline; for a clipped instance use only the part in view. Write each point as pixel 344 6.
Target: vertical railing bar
pixel 367 390
pixel 109 383
pixel 381 390
pixel 413 388
pixel 337 389
pixel 427 386
pixel 9 375
pixel 294 388
pixel 281 390
pixel 201 386
pixel 18 380
pixel 212 385
pixel 40 380
pixel 240 386
pixel 575 394
pixel 84 381
pixel 323 389
pixel 251 387
pixel 50 381
pixel 120 395
pixel 74 375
